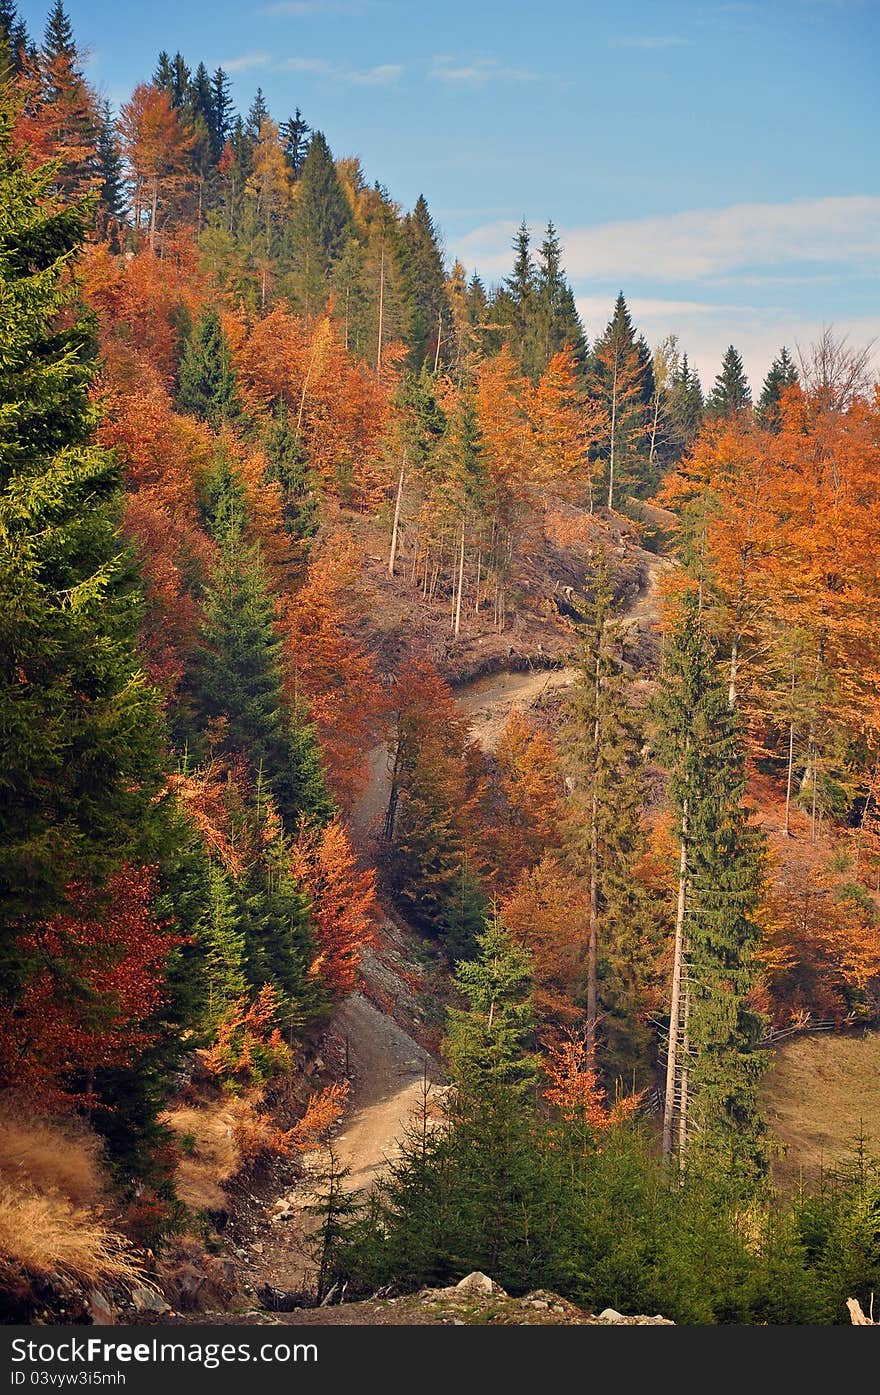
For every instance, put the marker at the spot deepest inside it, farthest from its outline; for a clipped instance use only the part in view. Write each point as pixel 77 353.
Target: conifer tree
pixel 430 315
pixel 112 190
pixel 289 466
pixel 221 105
pixel 685 403
pixel 488 1046
pixel 69 113
pixel 81 730
pixel 604 838
pixel 321 225
pixel 712 1114
pixel 621 381
pixel 295 134
pixel 206 383
pixel 731 393
pixel 515 306
pixel 558 323
pixel 238 678
pixel 13 41
pixel 782 374
pixel 223 957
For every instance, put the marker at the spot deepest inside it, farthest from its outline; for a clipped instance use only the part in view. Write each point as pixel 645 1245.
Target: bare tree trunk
pixel 381 309
pixel 439 334
pixel 393 553
pixel 477 595
pixel 460 582
pixel 684 1074
pixel 675 1004
pixel 613 437
pixel 593 938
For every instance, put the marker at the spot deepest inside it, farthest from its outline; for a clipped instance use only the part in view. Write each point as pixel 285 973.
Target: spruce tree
pixel 685 404
pixel 731 393
pixel 430 316
pixel 782 374
pixel 289 467
pixel 112 191
pixel 515 306
pixel 558 322
pixel 206 383
pixel 223 952
pixel 221 105
pixel 715 1029
pixel 620 379
pixel 489 1041
pixel 295 134
pixel 13 41
pixel 81 730
pixel 604 837
pixel 322 223
pixel 238 679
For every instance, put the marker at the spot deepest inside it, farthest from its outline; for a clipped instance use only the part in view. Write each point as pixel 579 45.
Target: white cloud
pixel 476 72
pixel 244 62
pixel 703 244
pixel 379 76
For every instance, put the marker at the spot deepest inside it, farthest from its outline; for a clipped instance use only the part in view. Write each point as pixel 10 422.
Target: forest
pixel 282 494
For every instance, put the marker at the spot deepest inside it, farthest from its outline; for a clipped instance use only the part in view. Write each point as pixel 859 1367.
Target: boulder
pixel 480 1285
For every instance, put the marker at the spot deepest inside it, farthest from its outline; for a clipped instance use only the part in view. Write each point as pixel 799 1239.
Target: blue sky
pixel 716 161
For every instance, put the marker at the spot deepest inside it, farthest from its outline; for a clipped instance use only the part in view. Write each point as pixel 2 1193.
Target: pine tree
pixel 488 1042
pixel 69 112
pixel 782 374
pixel 604 837
pixel 289 466
pixel 712 1113
pixel 206 384
pixel 321 225
pixel 295 134
pixel 221 104
pixel 685 404
pixel 430 314
pixel 515 307
pixel 558 323
pixel 13 41
pixel 112 191
pixel 239 681
pixel 621 382
pixel 731 393
pixel 81 728
pixel 223 954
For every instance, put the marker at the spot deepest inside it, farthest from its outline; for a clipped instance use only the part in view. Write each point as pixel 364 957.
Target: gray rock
pixel 610 1315
pixel 478 1284
pixel 102 1311
pixel 146 1300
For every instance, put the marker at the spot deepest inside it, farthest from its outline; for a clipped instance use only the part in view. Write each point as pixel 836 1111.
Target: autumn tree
pixel 343 902
pixel 156 147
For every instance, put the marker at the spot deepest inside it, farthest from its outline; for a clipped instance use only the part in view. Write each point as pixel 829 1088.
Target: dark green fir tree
pixel 206 384
pixel 782 374
pixel 731 393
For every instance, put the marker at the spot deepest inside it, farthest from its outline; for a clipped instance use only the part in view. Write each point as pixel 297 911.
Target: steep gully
pixel 388 1070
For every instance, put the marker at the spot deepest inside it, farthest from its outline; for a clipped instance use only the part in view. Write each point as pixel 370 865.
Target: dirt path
pixel 386 1066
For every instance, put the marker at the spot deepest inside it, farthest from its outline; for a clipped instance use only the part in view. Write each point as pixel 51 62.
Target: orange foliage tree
pixel 343 902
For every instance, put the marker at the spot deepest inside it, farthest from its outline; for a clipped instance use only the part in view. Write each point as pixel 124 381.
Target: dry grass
pixel 821 1092
pixel 217 1137
pixel 50 1157
pixel 46 1234
pixel 51 1190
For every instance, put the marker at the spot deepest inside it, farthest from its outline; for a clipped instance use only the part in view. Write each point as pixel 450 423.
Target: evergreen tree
pixel 559 325
pixel 289 466
pixel 321 224
pixel 258 113
pixel 112 192
pixel 715 1029
pixel 619 373
pixel 221 104
pixel 783 374
pixel 81 729
pixel 685 404
pixel 274 912
pixel 223 954
pixel 239 681
pixel 69 111
pixel 489 1040
pixel 430 314
pixel 515 306
pixel 295 133
pixel 604 837
pixel 731 393
pixel 206 383
pixel 13 41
